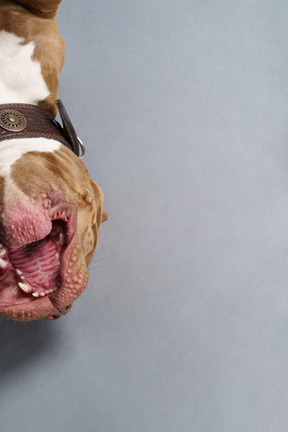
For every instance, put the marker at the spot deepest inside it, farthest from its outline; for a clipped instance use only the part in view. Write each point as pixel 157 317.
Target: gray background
pixel 183 106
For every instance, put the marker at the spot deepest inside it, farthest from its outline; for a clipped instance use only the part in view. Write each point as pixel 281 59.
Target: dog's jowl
pixel 50 209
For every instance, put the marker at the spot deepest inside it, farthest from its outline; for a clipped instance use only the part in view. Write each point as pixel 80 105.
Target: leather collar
pixel 31 121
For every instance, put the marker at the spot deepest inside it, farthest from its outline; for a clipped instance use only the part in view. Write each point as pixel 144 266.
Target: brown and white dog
pixel 50 209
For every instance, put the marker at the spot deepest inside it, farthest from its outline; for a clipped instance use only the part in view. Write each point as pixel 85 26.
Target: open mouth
pixel 34 269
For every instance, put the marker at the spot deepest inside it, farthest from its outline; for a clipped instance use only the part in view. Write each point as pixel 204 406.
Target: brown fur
pixel 49 45
pixel 42 8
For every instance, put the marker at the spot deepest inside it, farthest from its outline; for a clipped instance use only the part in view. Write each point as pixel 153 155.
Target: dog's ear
pixel 104 216
pixel 40 7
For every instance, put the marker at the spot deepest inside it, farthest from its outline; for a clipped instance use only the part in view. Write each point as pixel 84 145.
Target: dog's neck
pixel 28 86
pixel 31 55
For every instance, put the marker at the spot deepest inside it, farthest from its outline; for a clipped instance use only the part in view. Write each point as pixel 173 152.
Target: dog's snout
pixel 21 224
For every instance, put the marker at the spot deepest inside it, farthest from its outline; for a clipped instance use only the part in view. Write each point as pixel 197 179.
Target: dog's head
pixel 50 213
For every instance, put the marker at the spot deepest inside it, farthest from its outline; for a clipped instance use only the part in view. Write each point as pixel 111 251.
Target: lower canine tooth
pixel 61 239
pixel 23 287
pixel 2 252
pixel 3 264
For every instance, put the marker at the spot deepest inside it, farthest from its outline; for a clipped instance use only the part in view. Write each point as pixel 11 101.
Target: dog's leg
pixel 42 8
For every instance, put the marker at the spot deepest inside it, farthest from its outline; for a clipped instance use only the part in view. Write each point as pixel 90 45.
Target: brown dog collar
pixel 31 121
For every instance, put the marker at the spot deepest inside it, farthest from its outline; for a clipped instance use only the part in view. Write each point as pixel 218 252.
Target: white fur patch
pixel 13 149
pixel 21 80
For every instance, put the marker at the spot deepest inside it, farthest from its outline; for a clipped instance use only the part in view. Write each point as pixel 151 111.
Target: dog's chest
pixel 21 80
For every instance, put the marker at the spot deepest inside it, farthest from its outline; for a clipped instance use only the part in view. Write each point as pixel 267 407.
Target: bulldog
pixel 50 208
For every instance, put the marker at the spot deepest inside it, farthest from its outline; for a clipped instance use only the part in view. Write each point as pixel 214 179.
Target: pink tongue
pixel 37 264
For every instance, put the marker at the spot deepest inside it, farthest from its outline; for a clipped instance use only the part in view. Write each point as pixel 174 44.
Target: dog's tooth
pixel 24 287
pixel 2 252
pixel 19 272
pixel 42 294
pixel 35 294
pixel 61 239
pixel 3 264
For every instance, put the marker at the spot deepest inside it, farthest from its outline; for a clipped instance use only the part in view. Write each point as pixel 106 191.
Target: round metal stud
pixel 12 120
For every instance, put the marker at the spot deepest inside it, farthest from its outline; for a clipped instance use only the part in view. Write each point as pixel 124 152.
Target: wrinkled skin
pixel 50 208
pixel 27 207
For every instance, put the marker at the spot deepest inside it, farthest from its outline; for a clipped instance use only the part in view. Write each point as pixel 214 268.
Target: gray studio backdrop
pixel 183 106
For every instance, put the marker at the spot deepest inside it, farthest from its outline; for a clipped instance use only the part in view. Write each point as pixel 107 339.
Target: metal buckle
pixel 83 150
